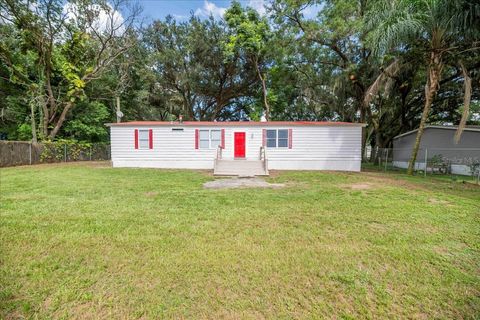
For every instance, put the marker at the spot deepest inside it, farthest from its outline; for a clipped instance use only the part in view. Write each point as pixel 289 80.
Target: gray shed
pixel 438 143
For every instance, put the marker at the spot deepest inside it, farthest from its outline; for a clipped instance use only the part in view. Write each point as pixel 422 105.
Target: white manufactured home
pixel 237 148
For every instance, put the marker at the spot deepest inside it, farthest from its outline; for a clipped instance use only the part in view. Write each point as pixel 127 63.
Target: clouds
pixel 258 5
pixel 182 10
pixel 107 19
pixel 210 8
pixel 312 11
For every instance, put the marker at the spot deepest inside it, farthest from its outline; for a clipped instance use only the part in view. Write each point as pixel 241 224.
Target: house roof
pixel 468 128
pixel 234 123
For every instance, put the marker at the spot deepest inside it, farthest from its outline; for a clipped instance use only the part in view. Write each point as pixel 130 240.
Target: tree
pixel 61 68
pixel 192 74
pixel 66 46
pixel 250 35
pixel 330 54
pixel 438 27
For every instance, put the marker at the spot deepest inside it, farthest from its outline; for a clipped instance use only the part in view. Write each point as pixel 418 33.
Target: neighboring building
pixel 438 143
pixel 237 148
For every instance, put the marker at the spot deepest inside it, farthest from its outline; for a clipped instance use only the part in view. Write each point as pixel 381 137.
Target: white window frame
pixel 140 140
pixel 211 141
pixel 277 139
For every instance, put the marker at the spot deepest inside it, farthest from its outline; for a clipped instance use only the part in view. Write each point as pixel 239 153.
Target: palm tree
pixel 438 28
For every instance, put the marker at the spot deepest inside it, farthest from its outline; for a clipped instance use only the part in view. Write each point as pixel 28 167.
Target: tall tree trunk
pixel 44 117
pixel 264 91
pixel 431 87
pixel 42 126
pixel 378 139
pixel 60 121
pixel 467 96
pixel 364 130
pixel 188 106
pixel 379 143
pixel 34 127
pixel 118 112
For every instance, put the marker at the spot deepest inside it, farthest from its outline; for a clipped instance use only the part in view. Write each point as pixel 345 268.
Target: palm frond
pixel 384 80
pixel 394 23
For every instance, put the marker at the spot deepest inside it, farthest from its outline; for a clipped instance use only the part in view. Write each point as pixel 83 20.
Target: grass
pixel 88 241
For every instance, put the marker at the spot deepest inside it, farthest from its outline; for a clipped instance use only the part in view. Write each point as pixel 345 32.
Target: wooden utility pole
pixel 32 121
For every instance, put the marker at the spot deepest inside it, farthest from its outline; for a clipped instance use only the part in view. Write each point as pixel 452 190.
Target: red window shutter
pixel 136 138
pixel 223 139
pixel 150 139
pixel 196 138
pixel 289 138
pixel 264 137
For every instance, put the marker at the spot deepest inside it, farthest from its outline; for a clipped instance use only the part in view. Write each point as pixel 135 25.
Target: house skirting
pixel 273 164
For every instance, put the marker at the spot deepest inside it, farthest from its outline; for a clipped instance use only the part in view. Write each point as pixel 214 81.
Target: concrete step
pixel 246 168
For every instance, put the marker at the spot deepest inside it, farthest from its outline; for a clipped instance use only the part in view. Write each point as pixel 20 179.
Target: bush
pixel 54 151
pixel 24 132
pixel 473 164
pixel 440 164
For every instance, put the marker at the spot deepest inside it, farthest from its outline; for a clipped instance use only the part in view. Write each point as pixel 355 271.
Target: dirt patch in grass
pixel 98 164
pixel 241 183
pixel 429 183
pixel 358 186
pixel 439 201
pixel 379 179
pixel 274 173
pixel 151 194
pixel 14 316
pixel 89 310
pixel 378 227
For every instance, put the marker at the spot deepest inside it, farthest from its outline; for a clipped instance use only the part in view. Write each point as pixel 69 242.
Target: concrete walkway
pixel 241 183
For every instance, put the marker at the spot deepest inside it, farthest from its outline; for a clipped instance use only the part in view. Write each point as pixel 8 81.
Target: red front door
pixel 239 150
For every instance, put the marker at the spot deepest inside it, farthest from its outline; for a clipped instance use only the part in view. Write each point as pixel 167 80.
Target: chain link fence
pixel 17 153
pixel 461 163
pixel 458 163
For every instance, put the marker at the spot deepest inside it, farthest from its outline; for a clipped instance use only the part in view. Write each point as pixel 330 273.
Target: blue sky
pixel 180 9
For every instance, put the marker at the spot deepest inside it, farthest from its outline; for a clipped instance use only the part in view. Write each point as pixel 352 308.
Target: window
pixel 210 139
pixel 204 139
pixel 215 138
pixel 271 138
pixel 283 138
pixel 143 139
pixel 277 138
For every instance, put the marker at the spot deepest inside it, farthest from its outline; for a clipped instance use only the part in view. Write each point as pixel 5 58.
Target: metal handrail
pixel 219 152
pixel 263 156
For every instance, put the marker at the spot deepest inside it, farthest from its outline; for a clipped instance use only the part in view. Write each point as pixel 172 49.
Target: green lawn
pixel 89 241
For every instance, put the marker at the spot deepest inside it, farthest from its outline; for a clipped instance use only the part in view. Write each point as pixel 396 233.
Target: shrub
pixel 61 150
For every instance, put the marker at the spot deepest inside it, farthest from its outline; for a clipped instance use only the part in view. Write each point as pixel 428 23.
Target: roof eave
pixel 236 123
pixel 435 127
